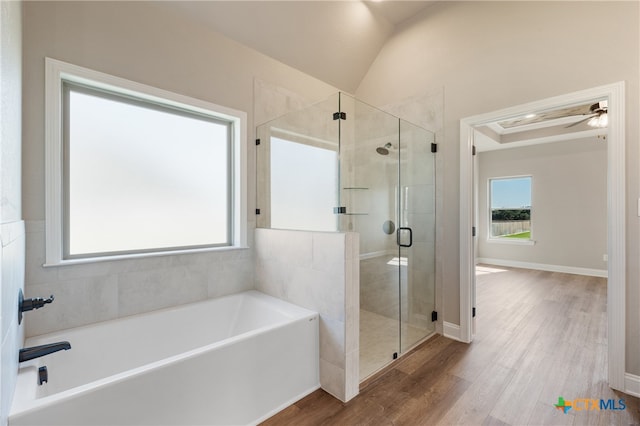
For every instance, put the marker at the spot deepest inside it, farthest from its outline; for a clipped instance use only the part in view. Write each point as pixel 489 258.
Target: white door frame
pixel 616 282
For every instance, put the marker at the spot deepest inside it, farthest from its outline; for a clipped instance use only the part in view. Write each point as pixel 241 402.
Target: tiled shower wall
pixel 12 259
pixel 319 271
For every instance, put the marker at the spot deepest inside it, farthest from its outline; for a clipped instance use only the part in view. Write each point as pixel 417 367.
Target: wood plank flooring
pixel 540 335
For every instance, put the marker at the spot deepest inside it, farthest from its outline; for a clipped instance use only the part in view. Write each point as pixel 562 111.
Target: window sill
pixel 88 260
pixel 511 241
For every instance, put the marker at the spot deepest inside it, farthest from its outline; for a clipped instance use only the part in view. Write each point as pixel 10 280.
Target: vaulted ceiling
pixel 334 41
pixel 337 41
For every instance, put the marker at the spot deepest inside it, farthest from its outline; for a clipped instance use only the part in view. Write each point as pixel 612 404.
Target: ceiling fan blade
pixel 581 121
pixel 547 115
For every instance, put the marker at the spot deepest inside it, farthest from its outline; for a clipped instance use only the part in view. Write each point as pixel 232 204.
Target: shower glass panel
pixel 297 170
pixel 343 165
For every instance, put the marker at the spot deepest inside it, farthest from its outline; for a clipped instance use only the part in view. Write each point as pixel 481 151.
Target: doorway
pixel 614 95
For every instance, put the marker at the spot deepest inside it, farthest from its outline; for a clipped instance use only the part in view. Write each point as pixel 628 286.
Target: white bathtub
pixel 234 360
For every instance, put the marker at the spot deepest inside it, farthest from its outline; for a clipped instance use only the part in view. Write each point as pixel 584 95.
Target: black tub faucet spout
pixel 33 352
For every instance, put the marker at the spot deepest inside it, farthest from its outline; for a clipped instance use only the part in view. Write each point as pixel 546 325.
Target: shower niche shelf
pixel 355 188
pixel 342 211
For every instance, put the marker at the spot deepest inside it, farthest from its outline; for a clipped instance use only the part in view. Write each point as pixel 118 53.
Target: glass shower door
pixel 416 234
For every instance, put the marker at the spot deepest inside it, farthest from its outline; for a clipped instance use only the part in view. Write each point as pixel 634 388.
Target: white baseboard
pixel 452 331
pixel 632 384
pixel 544 267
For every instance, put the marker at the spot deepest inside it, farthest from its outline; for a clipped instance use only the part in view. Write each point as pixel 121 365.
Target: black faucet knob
pixel 25 305
pixel 35 303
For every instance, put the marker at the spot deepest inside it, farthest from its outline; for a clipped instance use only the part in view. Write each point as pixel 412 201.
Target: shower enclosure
pixel 342 165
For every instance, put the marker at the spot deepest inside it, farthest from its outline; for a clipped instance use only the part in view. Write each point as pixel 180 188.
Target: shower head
pixel 384 150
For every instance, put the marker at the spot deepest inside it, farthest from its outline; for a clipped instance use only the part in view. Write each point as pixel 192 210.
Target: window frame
pixel 499 240
pixel 57 74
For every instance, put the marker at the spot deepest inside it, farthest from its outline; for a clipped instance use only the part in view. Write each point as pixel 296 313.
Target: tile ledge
pixel 90 260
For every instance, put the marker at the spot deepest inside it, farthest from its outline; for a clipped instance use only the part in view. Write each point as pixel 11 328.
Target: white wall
pixel 12 253
pixel 145 43
pixel 569 204
pixel 493 55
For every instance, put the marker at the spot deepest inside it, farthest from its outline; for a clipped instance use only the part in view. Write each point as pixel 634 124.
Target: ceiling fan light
pixel 601 121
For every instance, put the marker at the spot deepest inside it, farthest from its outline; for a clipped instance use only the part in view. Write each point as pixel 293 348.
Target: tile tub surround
pixel 105 290
pixel 12 279
pixel 12 247
pixel 318 271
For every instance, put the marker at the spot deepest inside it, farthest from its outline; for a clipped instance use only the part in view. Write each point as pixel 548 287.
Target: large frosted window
pixel 139 176
pixel 304 185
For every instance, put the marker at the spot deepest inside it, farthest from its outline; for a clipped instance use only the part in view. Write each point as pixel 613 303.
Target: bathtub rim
pixel 27 402
pixel 283 305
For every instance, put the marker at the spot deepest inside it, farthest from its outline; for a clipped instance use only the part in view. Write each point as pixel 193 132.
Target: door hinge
pixel 434 147
pixel 339 210
pixel 339 115
pixel 473 312
pixel 473 150
pixel 434 316
pixel 257 141
pixel 257 211
pixel 473 231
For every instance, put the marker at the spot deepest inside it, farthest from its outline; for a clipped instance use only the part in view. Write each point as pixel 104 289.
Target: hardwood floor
pixel 541 336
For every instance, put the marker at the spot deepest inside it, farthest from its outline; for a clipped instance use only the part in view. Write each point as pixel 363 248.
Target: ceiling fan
pixel 592 111
pixel 597 116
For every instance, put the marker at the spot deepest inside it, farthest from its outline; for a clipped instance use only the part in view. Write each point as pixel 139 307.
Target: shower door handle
pixel 399 240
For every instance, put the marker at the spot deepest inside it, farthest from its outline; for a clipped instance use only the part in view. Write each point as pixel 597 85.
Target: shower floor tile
pixel 379 340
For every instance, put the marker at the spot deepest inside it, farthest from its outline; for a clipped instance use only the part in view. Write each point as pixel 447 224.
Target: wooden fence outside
pixel 508 227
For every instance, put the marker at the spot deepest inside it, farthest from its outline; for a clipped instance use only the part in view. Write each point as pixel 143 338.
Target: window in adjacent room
pixel 510 215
